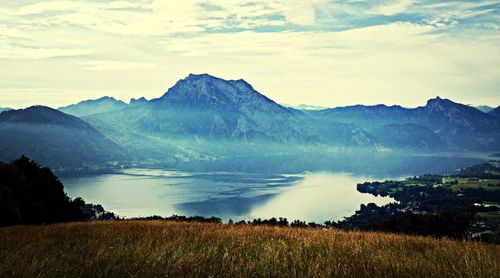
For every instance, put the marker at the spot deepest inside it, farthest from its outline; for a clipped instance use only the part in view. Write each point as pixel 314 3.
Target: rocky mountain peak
pixel 204 90
pixel 138 101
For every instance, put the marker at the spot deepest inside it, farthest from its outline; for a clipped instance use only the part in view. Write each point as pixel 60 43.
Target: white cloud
pixel 398 63
pixel 157 18
pixel 300 12
pixel 153 43
pixel 17 52
pixel 114 66
pixel 461 4
pixel 394 7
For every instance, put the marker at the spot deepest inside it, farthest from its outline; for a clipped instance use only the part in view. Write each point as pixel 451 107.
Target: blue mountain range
pixel 203 117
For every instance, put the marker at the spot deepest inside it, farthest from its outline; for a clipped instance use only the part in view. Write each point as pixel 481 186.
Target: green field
pixel 173 249
pixel 464 183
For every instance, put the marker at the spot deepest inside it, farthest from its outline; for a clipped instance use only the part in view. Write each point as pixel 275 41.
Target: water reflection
pixel 319 197
pixel 143 192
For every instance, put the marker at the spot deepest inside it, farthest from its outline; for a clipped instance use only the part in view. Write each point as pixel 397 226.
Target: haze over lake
pixel 309 196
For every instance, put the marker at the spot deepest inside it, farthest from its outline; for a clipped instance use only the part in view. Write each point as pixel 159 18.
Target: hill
pixel 176 249
pixel 54 139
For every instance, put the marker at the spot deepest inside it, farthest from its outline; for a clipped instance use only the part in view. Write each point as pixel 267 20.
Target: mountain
pixel 483 108
pixel 203 117
pixel 2 109
pixel 408 136
pixel 53 138
pixel 364 116
pixel 459 126
pixel 138 101
pixel 95 106
pixel 205 108
pixel 306 107
pixel 495 112
pixel 210 107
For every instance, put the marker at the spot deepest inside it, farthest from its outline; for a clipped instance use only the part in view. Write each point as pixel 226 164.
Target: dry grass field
pixel 174 249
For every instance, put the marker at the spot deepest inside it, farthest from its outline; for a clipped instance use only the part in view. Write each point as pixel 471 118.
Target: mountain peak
pixel 106 98
pixel 436 100
pixel 93 106
pixel 204 90
pixel 205 77
pixel 138 101
pixel 200 76
pixel 440 103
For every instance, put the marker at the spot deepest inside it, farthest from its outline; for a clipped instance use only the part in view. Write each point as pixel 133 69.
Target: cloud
pixel 401 63
pixel 301 12
pixel 114 66
pixel 17 52
pixel 393 7
pixel 311 51
pixel 157 18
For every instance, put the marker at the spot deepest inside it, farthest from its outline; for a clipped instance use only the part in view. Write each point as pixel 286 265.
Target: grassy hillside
pixel 155 248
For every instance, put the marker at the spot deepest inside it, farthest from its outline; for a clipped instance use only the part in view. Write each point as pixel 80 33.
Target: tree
pixel 30 194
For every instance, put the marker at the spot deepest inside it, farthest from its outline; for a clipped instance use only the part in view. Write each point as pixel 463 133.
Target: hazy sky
pixel 318 52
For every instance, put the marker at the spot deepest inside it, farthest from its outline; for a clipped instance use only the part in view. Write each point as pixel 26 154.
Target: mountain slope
pixel 408 135
pixel 2 109
pixel 495 112
pixel 92 107
pixel 201 113
pixel 206 108
pixel 459 126
pixel 309 107
pixel 53 138
pixel 484 108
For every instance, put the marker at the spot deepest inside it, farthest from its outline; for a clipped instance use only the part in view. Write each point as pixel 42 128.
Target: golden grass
pixel 172 249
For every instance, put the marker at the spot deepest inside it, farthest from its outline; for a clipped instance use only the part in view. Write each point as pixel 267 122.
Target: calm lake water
pixel 317 196
pixel 143 192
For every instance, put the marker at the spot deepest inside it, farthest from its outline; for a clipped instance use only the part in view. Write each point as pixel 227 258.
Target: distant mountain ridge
pixel 202 118
pixel 2 109
pixel 92 107
pixel 484 108
pixel 209 107
pixel 305 107
pixel 459 126
pixel 205 107
pixel 54 138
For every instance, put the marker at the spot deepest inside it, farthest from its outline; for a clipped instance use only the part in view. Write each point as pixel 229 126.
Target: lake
pixel 143 192
pixel 317 196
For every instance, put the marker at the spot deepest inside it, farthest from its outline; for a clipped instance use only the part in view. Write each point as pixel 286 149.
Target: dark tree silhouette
pixel 30 194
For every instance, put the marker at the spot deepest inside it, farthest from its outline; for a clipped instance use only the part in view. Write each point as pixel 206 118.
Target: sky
pixel 317 52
